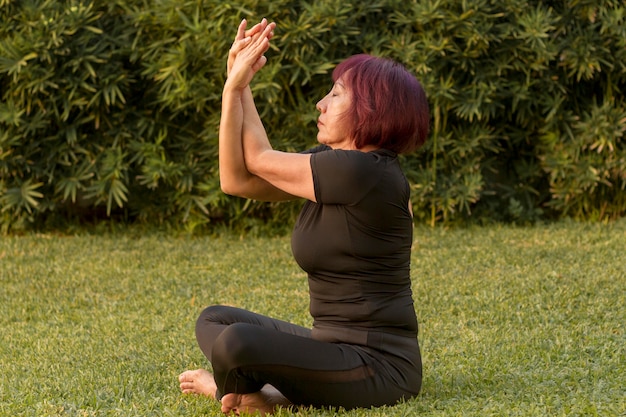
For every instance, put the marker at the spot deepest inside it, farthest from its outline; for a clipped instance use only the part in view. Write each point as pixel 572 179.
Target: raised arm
pixel 235 178
pixel 250 167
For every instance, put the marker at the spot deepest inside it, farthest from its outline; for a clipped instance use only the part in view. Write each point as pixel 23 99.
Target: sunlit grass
pixel 514 321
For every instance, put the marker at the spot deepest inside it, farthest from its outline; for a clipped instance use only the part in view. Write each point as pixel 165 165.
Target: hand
pixel 242 34
pixel 247 53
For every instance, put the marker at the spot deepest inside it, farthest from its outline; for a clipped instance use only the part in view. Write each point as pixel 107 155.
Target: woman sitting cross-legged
pixel 353 238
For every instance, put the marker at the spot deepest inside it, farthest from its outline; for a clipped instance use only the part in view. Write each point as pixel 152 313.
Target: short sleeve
pixel 344 177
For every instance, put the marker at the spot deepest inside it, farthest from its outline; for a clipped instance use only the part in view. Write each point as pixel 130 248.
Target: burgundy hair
pixel 389 107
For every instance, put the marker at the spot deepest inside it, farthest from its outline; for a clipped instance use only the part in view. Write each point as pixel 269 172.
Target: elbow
pixel 231 181
pixel 230 188
pixel 226 189
pixel 237 187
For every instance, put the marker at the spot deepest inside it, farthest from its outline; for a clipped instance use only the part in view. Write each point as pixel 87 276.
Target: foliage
pixel 528 107
pixel 513 321
pixel 110 109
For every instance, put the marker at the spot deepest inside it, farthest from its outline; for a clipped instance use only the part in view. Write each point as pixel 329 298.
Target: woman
pixel 353 238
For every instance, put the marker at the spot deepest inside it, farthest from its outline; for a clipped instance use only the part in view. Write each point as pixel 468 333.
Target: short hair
pixel 389 107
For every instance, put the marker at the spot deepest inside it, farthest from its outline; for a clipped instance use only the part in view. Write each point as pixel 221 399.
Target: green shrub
pixel 111 109
pixel 521 94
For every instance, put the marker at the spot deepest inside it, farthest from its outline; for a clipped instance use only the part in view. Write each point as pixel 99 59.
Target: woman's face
pixel 333 125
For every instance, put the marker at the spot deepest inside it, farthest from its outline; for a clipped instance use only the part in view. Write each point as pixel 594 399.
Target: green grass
pixel 514 321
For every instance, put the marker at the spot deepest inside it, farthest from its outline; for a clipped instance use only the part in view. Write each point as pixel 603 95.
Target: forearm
pixel 235 178
pixel 242 134
pixel 232 168
pixel 289 173
pixel 254 136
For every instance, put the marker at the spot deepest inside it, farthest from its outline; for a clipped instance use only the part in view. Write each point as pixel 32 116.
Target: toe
pixel 186 376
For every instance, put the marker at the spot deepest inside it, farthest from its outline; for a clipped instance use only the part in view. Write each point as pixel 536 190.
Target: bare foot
pixel 264 402
pixel 198 381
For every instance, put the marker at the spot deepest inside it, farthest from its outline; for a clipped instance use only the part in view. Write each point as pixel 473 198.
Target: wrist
pixel 232 88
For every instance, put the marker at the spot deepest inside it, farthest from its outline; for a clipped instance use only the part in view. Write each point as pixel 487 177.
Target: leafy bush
pixel 111 109
pixel 516 89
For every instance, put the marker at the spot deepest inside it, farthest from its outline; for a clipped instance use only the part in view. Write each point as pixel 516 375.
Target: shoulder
pixel 351 159
pixel 317 149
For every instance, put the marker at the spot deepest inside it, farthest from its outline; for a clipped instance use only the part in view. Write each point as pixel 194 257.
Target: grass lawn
pixel 514 321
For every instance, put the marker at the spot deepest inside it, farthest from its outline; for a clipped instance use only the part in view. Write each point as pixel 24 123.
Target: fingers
pixel 259 27
pixel 271 28
pixel 259 63
pixel 239 45
pixel 241 30
pixel 258 39
pixel 247 51
pixel 260 44
pixel 265 34
pixel 243 36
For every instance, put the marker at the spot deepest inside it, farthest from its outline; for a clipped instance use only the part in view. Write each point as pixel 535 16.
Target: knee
pixel 235 346
pixel 216 314
pixel 213 314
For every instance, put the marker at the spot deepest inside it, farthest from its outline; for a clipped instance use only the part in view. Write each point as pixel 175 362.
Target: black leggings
pixel 248 350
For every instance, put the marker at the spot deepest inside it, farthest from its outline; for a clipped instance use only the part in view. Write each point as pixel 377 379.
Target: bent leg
pixel 306 371
pixel 214 319
pixel 210 324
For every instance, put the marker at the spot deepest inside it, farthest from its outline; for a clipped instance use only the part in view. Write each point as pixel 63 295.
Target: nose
pixel 320 106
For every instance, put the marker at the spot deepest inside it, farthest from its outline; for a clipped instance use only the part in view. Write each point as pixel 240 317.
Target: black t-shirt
pixel 355 245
